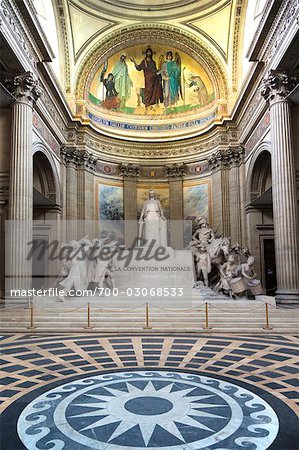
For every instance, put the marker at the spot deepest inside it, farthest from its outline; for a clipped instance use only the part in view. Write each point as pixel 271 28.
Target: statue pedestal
pixel 175 271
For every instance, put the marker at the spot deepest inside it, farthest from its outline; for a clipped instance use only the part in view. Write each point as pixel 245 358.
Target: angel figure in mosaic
pixel 171 77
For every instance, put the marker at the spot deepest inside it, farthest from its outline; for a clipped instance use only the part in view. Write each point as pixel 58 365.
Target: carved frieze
pixel 12 19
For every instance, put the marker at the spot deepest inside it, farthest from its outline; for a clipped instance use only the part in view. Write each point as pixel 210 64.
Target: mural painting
pixel 197 199
pixel 151 81
pixel 109 200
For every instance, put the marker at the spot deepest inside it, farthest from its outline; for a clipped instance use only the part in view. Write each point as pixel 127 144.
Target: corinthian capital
pixel 175 171
pixel 232 157
pixel 87 161
pixel 129 170
pixel 278 85
pixel 24 87
pixel 70 156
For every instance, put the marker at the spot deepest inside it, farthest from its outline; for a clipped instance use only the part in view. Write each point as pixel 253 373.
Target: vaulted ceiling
pixel 210 31
pixel 217 23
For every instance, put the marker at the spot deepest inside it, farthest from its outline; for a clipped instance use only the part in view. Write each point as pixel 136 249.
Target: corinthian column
pixel 235 157
pixel 285 208
pixel 131 174
pixel 70 156
pixel 219 165
pixel 25 90
pixel 175 174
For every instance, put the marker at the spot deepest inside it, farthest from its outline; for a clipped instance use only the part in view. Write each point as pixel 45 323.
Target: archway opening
pixel 46 211
pixel 261 226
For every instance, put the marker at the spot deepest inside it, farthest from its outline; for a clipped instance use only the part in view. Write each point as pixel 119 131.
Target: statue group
pixel 217 265
pixel 221 267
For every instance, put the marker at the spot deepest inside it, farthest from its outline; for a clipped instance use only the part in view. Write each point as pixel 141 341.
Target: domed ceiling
pixel 186 82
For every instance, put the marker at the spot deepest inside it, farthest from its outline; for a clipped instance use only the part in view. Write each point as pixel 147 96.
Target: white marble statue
pixel 77 278
pixel 203 263
pixel 204 234
pixel 227 273
pixel 152 223
pixel 103 268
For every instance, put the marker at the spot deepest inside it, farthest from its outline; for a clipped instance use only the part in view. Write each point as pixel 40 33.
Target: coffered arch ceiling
pixel 210 31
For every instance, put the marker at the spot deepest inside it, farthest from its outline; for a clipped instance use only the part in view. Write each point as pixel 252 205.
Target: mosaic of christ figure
pixel 153 93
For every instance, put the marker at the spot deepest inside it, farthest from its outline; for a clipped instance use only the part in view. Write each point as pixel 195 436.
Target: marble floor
pixel 215 392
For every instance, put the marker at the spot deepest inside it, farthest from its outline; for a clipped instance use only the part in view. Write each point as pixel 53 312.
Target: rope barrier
pixel 196 308
pixel 88 326
pixel 61 309
pixel 206 326
pixel 118 310
pixel 267 326
pixel 31 326
pixel 147 327
pixel 232 311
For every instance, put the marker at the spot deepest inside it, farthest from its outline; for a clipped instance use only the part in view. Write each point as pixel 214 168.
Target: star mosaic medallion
pixel 148 409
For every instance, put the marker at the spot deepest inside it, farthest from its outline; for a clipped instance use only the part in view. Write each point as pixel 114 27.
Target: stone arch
pixel 146 33
pixel 45 174
pixel 259 173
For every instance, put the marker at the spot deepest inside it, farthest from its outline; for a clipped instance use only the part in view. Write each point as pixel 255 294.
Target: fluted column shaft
pixel 285 207
pixel 175 174
pixel 176 213
pixel 71 201
pixel 235 201
pixel 130 211
pixel 20 213
pixel 130 174
pixel 284 201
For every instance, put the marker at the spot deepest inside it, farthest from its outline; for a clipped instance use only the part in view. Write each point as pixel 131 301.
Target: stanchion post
pixel 147 327
pixel 31 326
pixel 88 326
pixel 206 327
pixel 267 326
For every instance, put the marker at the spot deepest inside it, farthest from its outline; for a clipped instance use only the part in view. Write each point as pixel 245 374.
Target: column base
pixel 287 297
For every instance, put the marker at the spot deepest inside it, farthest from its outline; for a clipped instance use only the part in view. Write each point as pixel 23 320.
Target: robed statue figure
pixel 152 223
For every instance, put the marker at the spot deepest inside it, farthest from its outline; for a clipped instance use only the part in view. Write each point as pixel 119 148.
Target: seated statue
pixel 253 286
pixel 227 273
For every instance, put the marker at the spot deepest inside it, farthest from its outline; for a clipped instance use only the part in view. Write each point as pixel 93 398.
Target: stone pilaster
pixel 131 174
pixel 85 193
pixel 26 92
pixel 285 207
pixel 70 157
pixel 219 166
pixel 175 174
pixel 235 159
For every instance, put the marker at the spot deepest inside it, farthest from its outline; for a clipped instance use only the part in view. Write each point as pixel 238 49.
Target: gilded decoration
pixel 137 85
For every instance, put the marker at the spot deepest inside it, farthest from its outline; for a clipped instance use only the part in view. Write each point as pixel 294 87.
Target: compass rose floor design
pixel 155 408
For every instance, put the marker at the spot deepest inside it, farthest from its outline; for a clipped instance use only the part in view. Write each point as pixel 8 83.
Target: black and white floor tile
pixel 156 392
